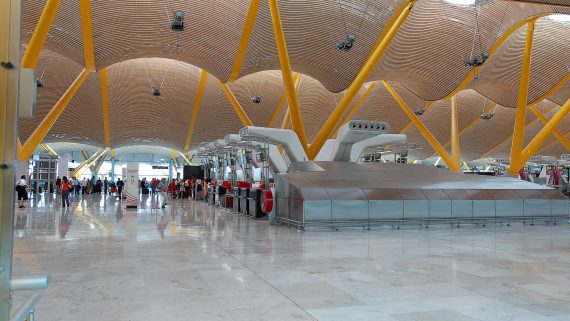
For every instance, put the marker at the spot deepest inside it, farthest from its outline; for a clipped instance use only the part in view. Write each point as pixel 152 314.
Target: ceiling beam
pixel 493 49
pixel 43 128
pixel 492 149
pixel 244 40
pixel 235 104
pixel 286 73
pixel 195 109
pixel 356 106
pixel 447 158
pixel 105 106
pixel 535 143
pixel 360 79
pixel 281 104
pixel 30 58
pixel 522 100
pixel 561 138
pixel 87 30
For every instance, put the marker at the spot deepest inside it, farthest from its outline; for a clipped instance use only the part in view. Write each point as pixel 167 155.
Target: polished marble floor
pixel 194 262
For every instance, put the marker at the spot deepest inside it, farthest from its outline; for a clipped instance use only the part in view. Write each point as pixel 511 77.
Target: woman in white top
pixel 21 188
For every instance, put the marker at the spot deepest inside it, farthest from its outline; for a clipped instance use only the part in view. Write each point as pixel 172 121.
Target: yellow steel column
pixel 286 120
pixel 428 106
pixel 535 143
pixel 281 104
pixel 286 73
pixel 87 29
pixel 40 34
pixel 235 104
pixel 244 40
pixel 492 149
pixel 196 109
pixel 561 138
pixel 360 79
pixel 423 130
pixel 455 148
pixel 105 103
pixel 43 128
pixel 356 106
pixel 520 118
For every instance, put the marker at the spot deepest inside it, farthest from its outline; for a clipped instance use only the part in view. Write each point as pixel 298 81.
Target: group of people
pixel 90 186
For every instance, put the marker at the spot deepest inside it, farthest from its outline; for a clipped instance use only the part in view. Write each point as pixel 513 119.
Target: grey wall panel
pixel 462 208
pixel 283 207
pixel 439 209
pixel 559 207
pixel 386 210
pixel 349 210
pixel 483 208
pixel 509 208
pixel 416 209
pixel 296 210
pixel 537 208
pixel 317 211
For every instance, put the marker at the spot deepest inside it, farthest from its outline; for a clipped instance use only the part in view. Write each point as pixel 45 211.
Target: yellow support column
pixel 87 29
pixel 196 110
pixel 43 128
pixel 534 145
pixel 40 34
pixel 286 73
pixel 281 104
pixel 105 105
pixel 356 106
pixel 360 79
pixel 561 138
pixel 235 104
pixel 455 148
pixel 423 130
pixel 520 118
pixel 286 120
pixel 244 40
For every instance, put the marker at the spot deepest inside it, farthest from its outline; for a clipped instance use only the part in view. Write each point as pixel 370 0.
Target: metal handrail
pixel 36 282
pixel 26 309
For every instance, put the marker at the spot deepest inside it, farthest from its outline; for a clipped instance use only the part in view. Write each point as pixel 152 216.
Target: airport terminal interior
pixel 322 160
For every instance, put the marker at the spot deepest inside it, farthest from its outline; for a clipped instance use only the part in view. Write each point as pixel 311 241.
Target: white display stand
pixel 62 167
pixel 131 178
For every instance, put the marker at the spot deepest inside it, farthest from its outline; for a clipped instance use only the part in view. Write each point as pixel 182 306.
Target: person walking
pixel 105 185
pixel 66 188
pixel 22 189
pixel 120 185
pixel 162 188
pixel 58 185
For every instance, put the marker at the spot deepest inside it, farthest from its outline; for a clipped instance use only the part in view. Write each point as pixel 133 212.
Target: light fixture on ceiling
pixel 256 99
pixel 488 115
pixel 178 20
pixel 347 43
pixel 476 61
pixel 40 83
pixel 469 3
pixel 419 111
pixel 155 91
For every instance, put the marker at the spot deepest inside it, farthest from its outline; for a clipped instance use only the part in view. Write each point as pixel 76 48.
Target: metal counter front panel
pixel 386 209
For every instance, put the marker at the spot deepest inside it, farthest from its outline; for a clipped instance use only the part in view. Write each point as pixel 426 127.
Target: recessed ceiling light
pixel 559 17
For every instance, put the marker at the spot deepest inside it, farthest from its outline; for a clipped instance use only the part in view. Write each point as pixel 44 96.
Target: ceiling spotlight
pixel 347 43
pixel 40 83
pixel 178 21
pixel 476 61
pixel 155 91
pixel 419 112
pixel 487 116
pixel 256 99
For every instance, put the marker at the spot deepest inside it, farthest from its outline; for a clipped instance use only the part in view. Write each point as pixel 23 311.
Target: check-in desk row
pixel 248 201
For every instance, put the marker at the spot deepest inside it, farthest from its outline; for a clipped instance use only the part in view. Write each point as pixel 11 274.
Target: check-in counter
pixel 254 203
pixel 243 200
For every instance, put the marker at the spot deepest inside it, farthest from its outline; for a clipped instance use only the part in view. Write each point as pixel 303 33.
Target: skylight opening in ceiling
pixel 463 3
pixel 559 18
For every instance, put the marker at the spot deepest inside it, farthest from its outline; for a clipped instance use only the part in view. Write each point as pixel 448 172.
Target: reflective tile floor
pixel 195 262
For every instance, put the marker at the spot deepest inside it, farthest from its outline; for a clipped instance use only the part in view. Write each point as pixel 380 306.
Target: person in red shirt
pixel 65 190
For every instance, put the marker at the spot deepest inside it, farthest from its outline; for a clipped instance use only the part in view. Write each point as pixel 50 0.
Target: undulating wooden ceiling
pixel 133 39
